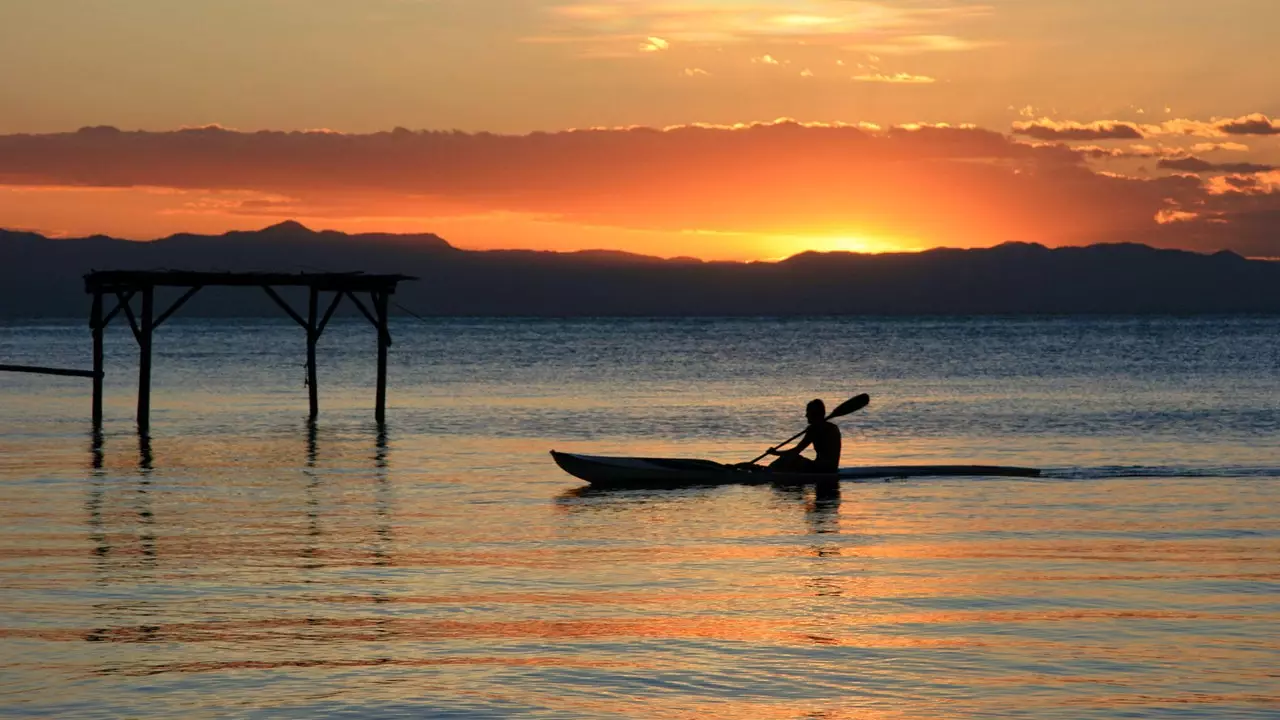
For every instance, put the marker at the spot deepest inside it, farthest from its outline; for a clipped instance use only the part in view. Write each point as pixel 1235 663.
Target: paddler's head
pixel 815 411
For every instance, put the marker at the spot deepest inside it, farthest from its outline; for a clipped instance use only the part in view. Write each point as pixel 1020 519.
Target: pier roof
pixel 127 280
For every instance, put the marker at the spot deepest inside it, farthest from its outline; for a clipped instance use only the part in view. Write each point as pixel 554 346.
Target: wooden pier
pixel 125 285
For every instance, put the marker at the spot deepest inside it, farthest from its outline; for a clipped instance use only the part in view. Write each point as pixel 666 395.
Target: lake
pixel 243 563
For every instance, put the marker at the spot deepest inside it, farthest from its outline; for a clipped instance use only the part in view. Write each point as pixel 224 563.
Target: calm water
pixel 242 565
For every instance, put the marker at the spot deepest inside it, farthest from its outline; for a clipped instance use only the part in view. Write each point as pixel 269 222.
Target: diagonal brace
pixel 122 299
pixel 128 312
pixel 365 311
pixel 328 314
pixel 177 304
pixel 285 306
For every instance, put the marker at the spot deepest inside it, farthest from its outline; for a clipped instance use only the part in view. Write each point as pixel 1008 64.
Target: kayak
pixel 626 472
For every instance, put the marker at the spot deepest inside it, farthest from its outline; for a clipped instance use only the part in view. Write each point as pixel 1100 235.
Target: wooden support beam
pixel 38 370
pixel 177 304
pixel 144 360
pixel 313 335
pixel 122 299
pixel 384 340
pixel 284 306
pixel 97 325
pixel 333 306
pixel 363 310
pixel 128 312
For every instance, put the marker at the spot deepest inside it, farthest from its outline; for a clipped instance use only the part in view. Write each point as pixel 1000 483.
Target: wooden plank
pixel 125 280
pixel 285 306
pixel 38 370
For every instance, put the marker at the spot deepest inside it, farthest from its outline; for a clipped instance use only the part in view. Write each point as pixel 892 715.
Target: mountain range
pixel 42 277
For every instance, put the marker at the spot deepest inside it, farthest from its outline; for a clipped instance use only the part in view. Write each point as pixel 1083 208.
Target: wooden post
pixel 96 324
pixel 384 339
pixel 312 336
pixel 144 360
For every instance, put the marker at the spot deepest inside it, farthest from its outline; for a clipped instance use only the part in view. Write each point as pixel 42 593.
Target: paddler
pixel 823 435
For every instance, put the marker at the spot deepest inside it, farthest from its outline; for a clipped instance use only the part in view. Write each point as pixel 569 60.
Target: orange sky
pixel 926 122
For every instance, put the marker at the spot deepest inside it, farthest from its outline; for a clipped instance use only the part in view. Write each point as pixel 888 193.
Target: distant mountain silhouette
pixel 42 277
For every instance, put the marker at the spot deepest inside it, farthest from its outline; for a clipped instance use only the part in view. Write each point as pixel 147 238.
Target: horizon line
pixel 291 223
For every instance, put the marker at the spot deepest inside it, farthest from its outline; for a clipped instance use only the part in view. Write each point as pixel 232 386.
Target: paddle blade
pixel 853 404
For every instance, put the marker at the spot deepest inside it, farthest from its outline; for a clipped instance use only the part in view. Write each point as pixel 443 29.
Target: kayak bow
pixel 625 472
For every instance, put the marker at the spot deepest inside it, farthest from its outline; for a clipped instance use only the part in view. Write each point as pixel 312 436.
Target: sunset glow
pixel 917 124
pixel 842 243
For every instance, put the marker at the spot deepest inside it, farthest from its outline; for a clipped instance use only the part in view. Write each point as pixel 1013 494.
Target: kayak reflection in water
pixel 823 435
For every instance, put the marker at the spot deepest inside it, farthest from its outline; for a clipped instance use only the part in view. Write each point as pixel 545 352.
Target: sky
pixel 721 129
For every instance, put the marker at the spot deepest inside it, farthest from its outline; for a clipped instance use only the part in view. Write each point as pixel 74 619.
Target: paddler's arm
pixel 805 442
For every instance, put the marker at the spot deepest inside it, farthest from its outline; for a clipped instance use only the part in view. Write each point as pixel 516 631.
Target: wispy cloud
pixel 654 44
pixel 1133 151
pixel 1223 146
pixel 902 77
pixel 911 44
pixel 1169 215
pixel 872 25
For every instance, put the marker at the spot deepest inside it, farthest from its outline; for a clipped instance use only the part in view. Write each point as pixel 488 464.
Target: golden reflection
pixel 280 631
pixel 144 669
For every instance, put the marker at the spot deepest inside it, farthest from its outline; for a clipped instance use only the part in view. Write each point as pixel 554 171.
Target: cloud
pixel 1166 216
pixel 1193 164
pixel 1047 129
pixel 765 60
pixel 1184 126
pixel 930 184
pixel 1241 212
pixel 1186 164
pixel 1262 183
pixel 694 72
pixel 899 78
pixel 654 44
pixel 1255 124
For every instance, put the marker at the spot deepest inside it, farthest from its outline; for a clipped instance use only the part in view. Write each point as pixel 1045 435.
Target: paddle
pixel 851 405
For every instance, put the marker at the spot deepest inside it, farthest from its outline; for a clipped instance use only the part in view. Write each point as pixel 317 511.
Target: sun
pixel 787 245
